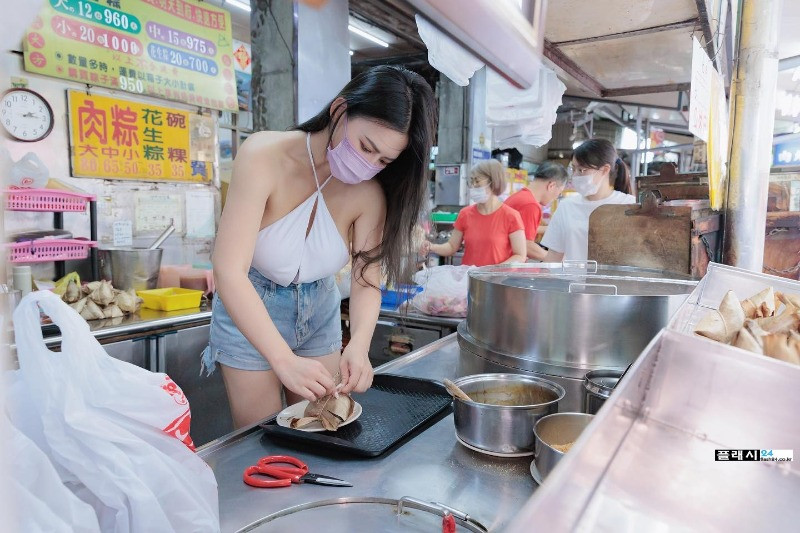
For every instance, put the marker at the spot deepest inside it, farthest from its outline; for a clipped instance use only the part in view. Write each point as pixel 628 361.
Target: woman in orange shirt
pixel 491 231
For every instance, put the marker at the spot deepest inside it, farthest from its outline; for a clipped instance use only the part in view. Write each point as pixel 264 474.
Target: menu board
pixel 122 139
pixel 174 49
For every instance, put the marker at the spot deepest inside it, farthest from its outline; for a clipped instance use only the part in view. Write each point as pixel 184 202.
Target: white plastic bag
pixel 446 55
pixel 29 171
pixel 43 502
pixel 117 434
pixel 444 291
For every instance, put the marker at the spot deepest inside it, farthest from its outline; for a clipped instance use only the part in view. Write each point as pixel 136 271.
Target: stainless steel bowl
pixel 558 429
pixel 504 410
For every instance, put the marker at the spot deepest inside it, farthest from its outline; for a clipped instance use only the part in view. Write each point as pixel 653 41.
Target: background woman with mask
pixel 600 177
pixel 348 183
pixel 491 231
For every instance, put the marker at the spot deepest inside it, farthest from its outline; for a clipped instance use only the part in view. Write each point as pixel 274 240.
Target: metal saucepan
pixel 504 409
pixel 597 387
pixel 555 433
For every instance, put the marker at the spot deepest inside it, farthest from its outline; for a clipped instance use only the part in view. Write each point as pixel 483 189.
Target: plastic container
pixel 444 217
pixel 398 296
pixel 46 200
pixel 171 299
pixel 42 250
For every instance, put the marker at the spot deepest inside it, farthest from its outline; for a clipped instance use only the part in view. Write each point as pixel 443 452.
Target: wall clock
pixel 26 115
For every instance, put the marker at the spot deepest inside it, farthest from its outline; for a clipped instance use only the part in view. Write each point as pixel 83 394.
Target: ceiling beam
pixel 645 89
pixel 554 54
pixel 631 104
pixel 690 23
pixel 388 17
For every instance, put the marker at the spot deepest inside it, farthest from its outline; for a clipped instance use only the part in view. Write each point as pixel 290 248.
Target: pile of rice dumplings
pixel 767 323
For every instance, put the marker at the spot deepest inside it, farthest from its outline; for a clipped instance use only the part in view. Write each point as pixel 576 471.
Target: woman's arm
pixel 249 192
pixel 518 252
pixel 450 247
pixel 553 257
pixel 365 294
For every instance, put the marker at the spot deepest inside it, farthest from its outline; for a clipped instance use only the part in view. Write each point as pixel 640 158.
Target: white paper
pixel 155 210
pixel 123 233
pixel 200 215
pixel 700 92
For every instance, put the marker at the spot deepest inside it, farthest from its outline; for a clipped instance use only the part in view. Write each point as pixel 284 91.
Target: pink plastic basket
pixel 45 200
pixel 42 250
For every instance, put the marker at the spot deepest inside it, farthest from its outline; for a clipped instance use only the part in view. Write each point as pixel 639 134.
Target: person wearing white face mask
pixel 491 231
pixel 600 177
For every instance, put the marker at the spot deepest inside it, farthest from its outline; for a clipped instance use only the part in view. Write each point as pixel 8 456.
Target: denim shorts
pixel 307 316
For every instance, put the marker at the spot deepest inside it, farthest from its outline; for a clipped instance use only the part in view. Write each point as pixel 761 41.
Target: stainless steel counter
pixel 142 321
pixel 415 317
pixel 432 466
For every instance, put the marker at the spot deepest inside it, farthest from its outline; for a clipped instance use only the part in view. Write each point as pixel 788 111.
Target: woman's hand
pixel 304 376
pixel 425 249
pixel 355 368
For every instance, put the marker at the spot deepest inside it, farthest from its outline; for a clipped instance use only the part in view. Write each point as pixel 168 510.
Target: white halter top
pixel 284 253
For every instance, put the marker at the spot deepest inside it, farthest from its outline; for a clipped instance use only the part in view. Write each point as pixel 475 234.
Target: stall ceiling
pixel 654 59
pixel 569 20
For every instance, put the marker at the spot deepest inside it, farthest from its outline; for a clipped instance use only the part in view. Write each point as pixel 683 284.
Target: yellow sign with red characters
pixel 121 139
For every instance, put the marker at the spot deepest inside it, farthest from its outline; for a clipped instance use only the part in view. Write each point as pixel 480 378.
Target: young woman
pixel 301 204
pixel 491 231
pixel 600 177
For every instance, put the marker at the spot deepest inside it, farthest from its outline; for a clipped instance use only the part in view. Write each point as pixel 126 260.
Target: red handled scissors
pixel 275 467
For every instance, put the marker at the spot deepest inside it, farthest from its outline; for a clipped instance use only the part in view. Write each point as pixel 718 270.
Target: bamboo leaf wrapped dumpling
pixel 725 323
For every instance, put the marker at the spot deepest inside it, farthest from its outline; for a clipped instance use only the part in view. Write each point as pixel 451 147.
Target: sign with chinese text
pixel 121 139
pixel 175 49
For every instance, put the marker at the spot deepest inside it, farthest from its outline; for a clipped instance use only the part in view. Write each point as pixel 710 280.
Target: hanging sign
pixel 174 49
pixel 121 139
pixel 786 151
pixel 700 92
pixel 242 63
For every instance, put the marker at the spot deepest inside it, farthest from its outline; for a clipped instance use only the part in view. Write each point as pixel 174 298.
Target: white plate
pixel 537 477
pixel 284 418
pixel 493 454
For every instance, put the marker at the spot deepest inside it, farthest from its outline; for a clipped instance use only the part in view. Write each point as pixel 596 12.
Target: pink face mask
pixel 347 164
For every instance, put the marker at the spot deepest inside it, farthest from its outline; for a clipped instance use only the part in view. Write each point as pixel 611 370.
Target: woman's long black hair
pixel 595 153
pixel 403 101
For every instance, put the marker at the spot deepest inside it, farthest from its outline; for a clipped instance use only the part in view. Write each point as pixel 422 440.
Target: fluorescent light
pixel 368 36
pixel 351 52
pixel 239 3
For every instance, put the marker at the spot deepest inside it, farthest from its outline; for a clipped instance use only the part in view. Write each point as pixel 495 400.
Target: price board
pixel 174 49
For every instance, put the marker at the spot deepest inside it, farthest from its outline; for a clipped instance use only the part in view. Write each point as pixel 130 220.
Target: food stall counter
pixel 432 466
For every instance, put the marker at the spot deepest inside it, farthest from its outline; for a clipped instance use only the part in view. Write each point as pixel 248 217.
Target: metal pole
pixel 753 118
pixel 646 138
pixel 635 169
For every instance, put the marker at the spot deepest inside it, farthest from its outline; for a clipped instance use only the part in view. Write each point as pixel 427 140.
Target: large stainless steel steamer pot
pixel 505 409
pixel 559 321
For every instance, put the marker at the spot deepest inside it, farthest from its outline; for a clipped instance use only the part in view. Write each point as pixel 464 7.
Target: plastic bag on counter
pixel 343 280
pixel 117 434
pixel 43 502
pixel 444 291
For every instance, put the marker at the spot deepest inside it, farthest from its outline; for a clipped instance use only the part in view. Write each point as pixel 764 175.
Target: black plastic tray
pixel 395 407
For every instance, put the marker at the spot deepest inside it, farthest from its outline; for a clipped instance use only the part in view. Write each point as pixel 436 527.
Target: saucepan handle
pixel 613 288
pixel 589 266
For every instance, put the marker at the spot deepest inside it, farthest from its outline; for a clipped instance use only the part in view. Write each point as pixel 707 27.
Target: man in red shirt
pixel 547 184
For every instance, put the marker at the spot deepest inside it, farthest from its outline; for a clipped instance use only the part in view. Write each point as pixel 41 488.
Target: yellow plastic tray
pixel 171 299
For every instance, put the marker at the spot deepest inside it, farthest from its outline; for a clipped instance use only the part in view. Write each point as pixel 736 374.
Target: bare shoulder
pixel 370 197
pixel 262 151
